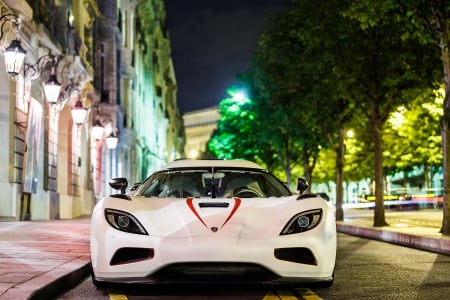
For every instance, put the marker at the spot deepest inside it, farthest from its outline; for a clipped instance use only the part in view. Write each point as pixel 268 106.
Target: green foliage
pixel 413 136
pixel 328 65
pixel 359 156
pixel 324 171
pixel 234 137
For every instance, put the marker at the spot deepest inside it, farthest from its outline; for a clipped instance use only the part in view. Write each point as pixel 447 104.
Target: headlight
pixel 123 221
pixel 303 221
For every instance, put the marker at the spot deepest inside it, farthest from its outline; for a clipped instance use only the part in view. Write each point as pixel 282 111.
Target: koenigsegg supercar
pixel 212 221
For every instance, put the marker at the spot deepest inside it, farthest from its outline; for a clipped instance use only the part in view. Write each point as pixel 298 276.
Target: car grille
pixel 229 272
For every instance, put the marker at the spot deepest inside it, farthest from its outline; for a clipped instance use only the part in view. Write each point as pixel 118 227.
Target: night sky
pixel 212 41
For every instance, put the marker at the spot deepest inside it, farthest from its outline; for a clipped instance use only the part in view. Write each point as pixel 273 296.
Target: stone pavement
pixel 42 259
pixel 417 229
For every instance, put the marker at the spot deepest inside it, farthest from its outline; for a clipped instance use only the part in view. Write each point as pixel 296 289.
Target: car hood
pixel 196 217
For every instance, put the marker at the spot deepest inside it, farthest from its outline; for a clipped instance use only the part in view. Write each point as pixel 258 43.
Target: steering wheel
pixel 180 194
pixel 246 193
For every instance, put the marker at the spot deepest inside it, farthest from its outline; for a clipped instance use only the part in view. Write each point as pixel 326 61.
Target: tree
pixel 325 96
pixel 276 86
pixel 432 21
pixel 427 23
pixel 388 63
pixel 247 130
pixel 377 64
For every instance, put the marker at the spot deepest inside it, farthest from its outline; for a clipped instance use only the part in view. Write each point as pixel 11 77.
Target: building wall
pixel 23 177
pixel 155 117
pixel 199 126
pixel 123 77
pixel 7 184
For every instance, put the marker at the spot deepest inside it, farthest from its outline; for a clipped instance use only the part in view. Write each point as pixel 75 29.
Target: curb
pixel 436 245
pixel 62 284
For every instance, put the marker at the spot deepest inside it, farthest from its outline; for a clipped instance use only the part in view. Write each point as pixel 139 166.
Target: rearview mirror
pixel 210 179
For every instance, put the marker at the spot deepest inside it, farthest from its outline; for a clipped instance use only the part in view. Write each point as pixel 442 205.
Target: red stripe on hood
pixel 190 203
pixel 191 206
pixel 237 203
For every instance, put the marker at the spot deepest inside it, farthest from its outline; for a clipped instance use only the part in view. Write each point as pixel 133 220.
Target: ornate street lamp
pixel 111 141
pixel 78 113
pixel 97 130
pixel 52 87
pixel 14 57
pixel 14 53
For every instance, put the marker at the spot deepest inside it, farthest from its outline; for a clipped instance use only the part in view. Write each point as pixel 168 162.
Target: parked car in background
pixel 212 221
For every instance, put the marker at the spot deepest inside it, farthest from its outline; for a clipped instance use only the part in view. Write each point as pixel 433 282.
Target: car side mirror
pixel 119 184
pixel 302 185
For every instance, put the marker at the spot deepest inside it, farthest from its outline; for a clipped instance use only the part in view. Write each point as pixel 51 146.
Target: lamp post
pixel 14 53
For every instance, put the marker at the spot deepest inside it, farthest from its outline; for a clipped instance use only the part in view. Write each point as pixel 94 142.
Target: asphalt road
pixel 365 269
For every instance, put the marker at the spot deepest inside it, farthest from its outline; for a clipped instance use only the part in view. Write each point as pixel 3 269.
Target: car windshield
pixel 184 183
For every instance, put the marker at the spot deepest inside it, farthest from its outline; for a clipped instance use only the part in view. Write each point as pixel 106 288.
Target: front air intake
pixel 130 255
pixel 299 255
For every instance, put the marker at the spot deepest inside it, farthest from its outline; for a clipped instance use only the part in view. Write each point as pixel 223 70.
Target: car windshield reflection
pixel 212 184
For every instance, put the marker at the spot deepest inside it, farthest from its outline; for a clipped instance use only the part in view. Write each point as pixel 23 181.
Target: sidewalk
pixel 42 259
pixel 417 229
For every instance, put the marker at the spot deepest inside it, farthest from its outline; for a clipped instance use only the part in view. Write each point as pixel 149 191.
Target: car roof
pixel 192 163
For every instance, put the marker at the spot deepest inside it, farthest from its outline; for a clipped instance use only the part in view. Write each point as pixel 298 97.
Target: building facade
pixel 199 126
pixel 118 69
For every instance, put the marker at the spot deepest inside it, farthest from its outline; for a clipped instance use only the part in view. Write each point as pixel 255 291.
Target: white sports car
pixel 212 221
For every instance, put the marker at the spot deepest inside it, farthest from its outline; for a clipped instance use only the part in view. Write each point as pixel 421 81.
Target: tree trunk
pixel 426 178
pixel 340 151
pixel 446 168
pixel 440 12
pixel 445 130
pixel 379 217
